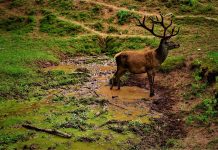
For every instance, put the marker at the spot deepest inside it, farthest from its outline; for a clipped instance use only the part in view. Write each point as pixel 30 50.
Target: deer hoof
pixel 151 94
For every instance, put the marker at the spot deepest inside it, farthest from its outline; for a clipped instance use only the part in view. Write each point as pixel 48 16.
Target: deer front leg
pixel 153 75
pixel 120 75
pixel 112 82
pixel 151 82
pixel 120 72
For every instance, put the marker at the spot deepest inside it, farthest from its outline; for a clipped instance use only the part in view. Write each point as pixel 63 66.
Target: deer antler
pixel 161 22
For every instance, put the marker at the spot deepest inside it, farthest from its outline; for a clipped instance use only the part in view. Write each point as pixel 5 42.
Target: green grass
pixel 20 25
pixel 50 24
pixel 17 3
pixel 116 45
pixel 204 113
pixel 211 61
pixel 112 29
pixel 123 17
pixel 19 51
pixel 68 8
pixel 19 56
pixel 55 115
pixel 98 26
pixel 196 21
pixel 11 138
pixel 197 8
pixel 171 63
pixel 23 86
pixel 61 4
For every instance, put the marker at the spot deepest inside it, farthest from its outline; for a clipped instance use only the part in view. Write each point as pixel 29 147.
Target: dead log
pixel 50 131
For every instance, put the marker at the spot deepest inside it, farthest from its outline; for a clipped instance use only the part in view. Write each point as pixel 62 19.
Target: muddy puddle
pixel 125 94
pixel 128 103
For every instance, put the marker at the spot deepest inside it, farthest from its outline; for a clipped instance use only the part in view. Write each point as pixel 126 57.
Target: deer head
pixel 165 43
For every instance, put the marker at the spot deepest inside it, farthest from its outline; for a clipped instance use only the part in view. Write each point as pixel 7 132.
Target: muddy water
pixel 124 102
pixel 125 94
pixel 128 103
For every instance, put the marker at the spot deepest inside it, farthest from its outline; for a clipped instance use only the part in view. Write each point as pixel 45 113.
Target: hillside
pixel 56 60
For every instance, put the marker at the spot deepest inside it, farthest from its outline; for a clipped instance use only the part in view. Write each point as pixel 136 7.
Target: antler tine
pixel 162 20
pixel 172 32
pixel 140 23
pixel 171 22
pixel 177 31
pixel 156 20
pixel 144 18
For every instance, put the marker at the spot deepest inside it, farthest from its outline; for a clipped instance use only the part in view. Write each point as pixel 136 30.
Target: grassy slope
pixel 24 45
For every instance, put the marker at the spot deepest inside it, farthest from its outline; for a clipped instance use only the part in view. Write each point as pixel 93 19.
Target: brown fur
pixel 141 61
pixel 138 61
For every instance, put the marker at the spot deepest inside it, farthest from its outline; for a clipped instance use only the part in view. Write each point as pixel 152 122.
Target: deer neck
pixel 161 52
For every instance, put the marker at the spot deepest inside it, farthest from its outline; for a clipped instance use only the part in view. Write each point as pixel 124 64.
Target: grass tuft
pixel 18 25
pixel 172 63
pixel 50 24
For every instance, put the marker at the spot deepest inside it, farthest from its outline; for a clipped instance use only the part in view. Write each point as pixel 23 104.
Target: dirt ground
pixel 166 108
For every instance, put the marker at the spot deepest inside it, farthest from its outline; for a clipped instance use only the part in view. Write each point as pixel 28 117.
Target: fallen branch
pixel 50 131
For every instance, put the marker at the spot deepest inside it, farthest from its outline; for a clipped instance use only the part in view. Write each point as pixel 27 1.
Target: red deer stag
pixel 146 61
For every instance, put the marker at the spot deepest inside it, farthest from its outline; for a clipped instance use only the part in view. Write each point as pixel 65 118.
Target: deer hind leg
pixel 116 78
pixel 151 82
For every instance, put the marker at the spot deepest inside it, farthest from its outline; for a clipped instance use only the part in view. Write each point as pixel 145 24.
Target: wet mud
pixel 131 102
